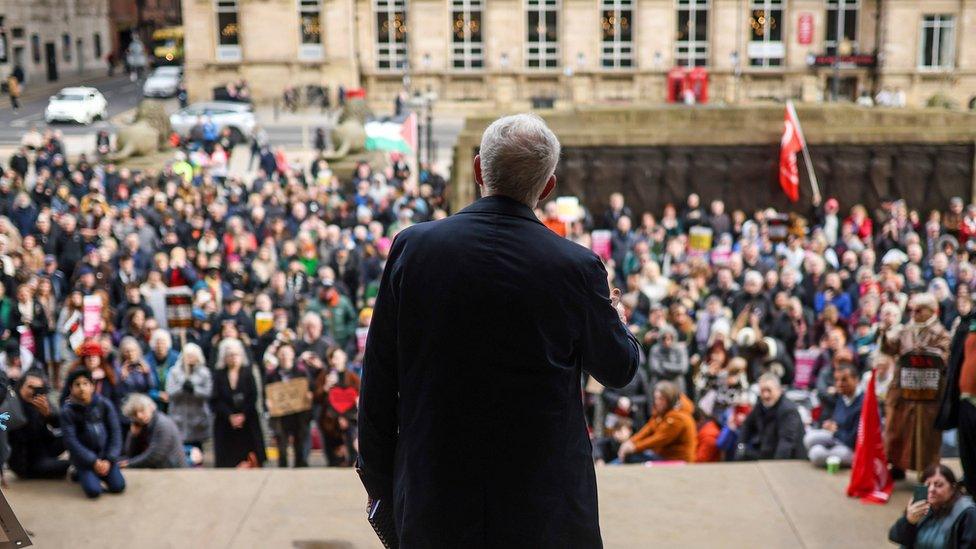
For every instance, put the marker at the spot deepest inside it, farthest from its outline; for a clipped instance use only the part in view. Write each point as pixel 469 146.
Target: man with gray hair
pixel 471 427
pixel 154 440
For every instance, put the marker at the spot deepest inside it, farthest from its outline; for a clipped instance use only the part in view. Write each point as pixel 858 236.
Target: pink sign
pixel 804 29
pixel 361 334
pixel 806 359
pixel 601 244
pixel 92 315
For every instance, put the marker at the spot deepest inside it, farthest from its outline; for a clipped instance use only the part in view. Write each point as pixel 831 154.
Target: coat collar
pixel 503 205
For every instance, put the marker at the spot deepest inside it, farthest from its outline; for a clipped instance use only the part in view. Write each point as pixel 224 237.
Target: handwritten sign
pixel 568 209
pixel 263 320
pixel 921 376
pixel 288 397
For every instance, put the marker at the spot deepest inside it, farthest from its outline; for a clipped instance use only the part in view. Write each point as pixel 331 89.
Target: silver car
pixel 239 117
pixel 163 82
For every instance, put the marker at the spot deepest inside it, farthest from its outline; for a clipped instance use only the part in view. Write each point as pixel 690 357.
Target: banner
pixel 179 307
pixel 805 360
pixel 92 315
pixel 263 320
pixel 288 397
pixel 699 240
pixel 568 209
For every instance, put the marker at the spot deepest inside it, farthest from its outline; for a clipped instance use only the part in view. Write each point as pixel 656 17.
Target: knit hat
pixel 90 348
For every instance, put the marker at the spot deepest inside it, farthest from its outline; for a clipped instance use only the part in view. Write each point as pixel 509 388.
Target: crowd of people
pixel 761 332
pixel 277 273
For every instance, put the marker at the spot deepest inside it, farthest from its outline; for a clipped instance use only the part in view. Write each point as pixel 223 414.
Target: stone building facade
pixel 51 39
pixel 504 53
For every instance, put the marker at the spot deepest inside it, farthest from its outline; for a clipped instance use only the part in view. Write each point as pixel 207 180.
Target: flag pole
pixel 814 185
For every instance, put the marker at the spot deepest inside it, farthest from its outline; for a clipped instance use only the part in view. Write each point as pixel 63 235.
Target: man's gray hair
pixel 136 403
pixel 518 155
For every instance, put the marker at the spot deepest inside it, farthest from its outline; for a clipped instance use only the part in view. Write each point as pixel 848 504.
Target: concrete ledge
pixel 770 504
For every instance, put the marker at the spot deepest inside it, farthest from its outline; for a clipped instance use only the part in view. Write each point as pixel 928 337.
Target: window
pixel 617 44
pixel 691 40
pixel 66 46
pixel 467 48
pixel 936 44
pixel 542 40
pixel 36 48
pixel 97 44
pixel 391 34
pixel 766 48
pixel 310 29
pixel 17 33
pixel 228 31
pixel 842 22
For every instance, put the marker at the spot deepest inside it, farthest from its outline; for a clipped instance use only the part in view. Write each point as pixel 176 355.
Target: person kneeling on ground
pixel 773 429
pixel 670 434
pixel 837 435
pixel 154 440
pixel 92 435
pixel 946 518
pixel 35 447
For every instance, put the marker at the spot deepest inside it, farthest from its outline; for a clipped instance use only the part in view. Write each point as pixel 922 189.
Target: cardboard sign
pixel 288 397
pixel 179 307
pixel 600 242
pixel 921 374
pixel 92 315
pixel 263 320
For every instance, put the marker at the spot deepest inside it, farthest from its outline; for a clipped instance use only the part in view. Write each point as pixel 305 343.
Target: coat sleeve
pixel 665 433
pixel 790 435
pixel 903 532
pixel 609 351
pixel 79 452
pixel 203 384
pixel 378 397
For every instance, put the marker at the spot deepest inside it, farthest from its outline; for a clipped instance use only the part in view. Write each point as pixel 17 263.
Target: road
pixel 124 95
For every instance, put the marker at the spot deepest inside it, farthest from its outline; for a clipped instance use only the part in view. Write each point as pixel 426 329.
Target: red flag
pixel 870 479
pixel 790 144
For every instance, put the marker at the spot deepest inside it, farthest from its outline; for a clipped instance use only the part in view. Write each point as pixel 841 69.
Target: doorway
pixel 51 55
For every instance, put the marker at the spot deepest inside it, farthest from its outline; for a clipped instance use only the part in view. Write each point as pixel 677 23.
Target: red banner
pixel 804 29
pixel 790 144
pixel 870 479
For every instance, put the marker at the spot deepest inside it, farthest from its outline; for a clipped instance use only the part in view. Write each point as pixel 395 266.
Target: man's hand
pixel 237 421
pixel 615 302
pixel 626 449
pixel 123 464
pixel 916 511
pixel 42 404
pixel 164 396
pixel 101 467
pixel 830 425
pixel 135 428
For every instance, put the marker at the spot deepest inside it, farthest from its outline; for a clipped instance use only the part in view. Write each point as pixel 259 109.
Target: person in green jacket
pixel 338 313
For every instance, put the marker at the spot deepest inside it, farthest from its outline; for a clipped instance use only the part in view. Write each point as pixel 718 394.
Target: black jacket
pixel 34 441
pixel 471 410
pixel 91 432
pixel 775 432
pixel 948 417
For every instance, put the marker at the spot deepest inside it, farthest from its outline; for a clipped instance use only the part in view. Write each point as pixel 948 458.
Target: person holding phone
pixel 938 515
pixel 35 448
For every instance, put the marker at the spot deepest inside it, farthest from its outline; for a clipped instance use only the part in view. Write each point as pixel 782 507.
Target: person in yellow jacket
pixel 13 88
pixel 670 434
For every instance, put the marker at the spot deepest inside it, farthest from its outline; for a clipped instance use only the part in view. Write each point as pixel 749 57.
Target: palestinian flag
pixel 393 136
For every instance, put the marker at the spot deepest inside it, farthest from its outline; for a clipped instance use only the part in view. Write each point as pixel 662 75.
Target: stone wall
pixel 746 176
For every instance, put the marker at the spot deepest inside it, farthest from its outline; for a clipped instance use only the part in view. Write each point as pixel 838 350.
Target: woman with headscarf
pixel 911 439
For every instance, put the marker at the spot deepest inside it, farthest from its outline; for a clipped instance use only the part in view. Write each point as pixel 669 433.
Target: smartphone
pixel 43 390
pixel 920 493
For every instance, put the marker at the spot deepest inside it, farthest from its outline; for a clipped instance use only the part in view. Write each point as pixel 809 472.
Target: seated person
pixel 154 440
pixel 773 429
pixel 35 447
pixel 92 436
pixel 670 434
pixel 605 449
pixel 708 450
pixel 837 434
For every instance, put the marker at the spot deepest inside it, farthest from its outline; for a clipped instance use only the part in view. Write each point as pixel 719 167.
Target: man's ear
pixel 477 171
pixel 550 185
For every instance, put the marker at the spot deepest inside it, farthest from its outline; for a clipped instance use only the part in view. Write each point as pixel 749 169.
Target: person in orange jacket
pixel 670 434
pixel 708 433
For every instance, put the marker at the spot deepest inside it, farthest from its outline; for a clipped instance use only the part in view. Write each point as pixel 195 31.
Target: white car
pixel 81 105
pixel 239 117
pixel 163 82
